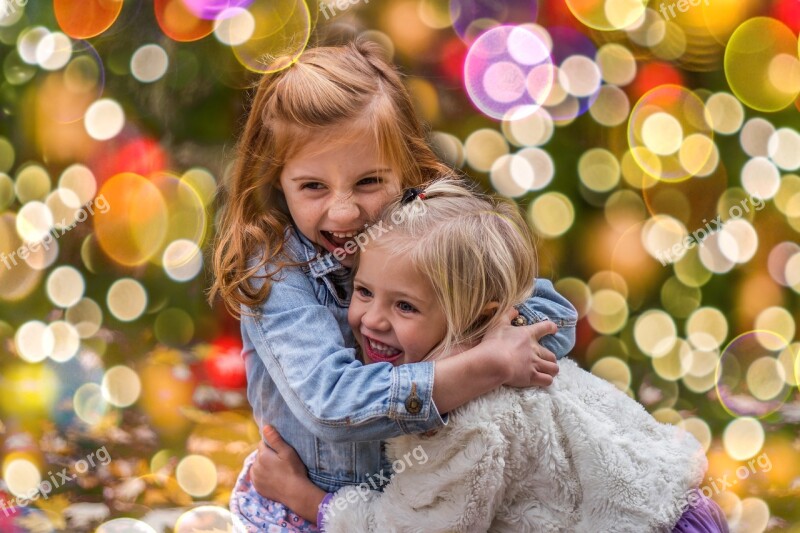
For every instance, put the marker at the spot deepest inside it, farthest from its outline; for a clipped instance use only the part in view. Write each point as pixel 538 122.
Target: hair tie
pixel 411 194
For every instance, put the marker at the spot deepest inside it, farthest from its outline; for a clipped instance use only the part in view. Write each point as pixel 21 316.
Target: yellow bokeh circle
pixel 669 135
pixel 761 64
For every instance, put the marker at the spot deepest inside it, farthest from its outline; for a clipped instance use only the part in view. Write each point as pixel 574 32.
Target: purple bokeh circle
pixel 508 72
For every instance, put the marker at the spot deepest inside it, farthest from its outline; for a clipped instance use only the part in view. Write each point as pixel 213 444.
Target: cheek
pixel 354 315
pixel 304 209
pixel 431 334
pixel 380 202
pixel 375 204
pixel 393 186
pixel 294 203
pixel 418 338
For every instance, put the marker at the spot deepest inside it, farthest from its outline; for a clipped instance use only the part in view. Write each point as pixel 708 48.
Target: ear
pixel 490 309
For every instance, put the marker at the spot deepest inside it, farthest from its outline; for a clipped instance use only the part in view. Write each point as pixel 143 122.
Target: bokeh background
pixel 653 146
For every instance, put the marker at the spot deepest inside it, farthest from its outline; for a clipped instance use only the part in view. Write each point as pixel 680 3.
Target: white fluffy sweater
pixel 578 456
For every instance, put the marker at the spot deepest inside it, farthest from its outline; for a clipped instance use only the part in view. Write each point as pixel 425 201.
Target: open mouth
pixel 339 240
pixel 379 352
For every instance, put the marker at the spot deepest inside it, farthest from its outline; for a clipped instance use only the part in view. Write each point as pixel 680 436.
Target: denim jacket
pixel 304 379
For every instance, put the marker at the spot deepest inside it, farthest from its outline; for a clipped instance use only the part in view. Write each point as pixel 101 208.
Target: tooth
pixel 383 349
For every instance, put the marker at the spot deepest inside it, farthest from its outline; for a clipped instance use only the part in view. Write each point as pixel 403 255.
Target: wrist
pixel 308 502
pixel 497 365
pixel 486 361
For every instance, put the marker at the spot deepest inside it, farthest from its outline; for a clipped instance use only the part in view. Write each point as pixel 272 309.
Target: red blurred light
pixel 556 13
pixel 140 155
pixel 454 54
pixel 224 366
pixel 788 12
pixel 653 75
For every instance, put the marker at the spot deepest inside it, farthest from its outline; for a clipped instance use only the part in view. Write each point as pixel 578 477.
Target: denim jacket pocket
pixel 341 454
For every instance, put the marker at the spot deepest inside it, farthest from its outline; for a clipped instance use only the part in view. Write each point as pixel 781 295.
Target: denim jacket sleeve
pixel 547 304
pixel 332 393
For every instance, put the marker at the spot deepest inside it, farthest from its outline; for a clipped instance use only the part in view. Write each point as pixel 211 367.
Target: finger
pixel 547 355
pixel 263 450
pixel 265 454
pixel 511 313
pixel 540 329
pixel 275 441
pixel 542 380
pixel 546 367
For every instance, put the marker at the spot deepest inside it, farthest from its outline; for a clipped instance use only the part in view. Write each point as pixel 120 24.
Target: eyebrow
pixel 393 294
pixel 406 296
pixel 363 174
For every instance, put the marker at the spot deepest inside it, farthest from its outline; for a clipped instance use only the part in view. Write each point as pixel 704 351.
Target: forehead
pixel 341 140
pixel 324 158
pixel 380 265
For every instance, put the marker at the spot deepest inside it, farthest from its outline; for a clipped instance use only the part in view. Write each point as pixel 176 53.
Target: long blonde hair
pixel 328 88
pixel 474 249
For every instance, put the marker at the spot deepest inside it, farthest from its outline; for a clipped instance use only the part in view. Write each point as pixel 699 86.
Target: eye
pixel 371 180
pixel 312 185
pixel 363 292
pixel 406 307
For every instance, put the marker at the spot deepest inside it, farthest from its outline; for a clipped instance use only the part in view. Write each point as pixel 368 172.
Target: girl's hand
pixel 278 474
pixel 527 362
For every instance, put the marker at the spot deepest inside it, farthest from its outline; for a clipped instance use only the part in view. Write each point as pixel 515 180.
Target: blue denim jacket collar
pixel 319 265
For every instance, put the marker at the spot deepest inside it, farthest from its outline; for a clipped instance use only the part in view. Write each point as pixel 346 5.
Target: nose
pixel 374 319
pixel 343 210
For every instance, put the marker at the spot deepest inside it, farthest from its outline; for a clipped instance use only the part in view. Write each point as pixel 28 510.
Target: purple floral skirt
pixel 253 513
pixel 704 516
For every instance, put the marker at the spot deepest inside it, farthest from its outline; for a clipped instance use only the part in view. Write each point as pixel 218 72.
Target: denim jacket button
pixel 413 403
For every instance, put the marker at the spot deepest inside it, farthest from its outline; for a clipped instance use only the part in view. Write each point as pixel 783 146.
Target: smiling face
pixel 333 187
pixel 393 313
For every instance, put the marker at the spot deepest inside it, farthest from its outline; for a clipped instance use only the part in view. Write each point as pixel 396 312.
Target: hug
pixel 416 381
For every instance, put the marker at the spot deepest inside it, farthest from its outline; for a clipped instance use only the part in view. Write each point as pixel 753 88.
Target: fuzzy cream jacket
pixel 578 456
